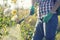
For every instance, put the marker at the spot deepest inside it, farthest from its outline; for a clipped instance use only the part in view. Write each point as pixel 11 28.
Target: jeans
pixel 51 28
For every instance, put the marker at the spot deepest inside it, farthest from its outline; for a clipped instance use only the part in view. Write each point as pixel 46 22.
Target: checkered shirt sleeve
pixel 45 7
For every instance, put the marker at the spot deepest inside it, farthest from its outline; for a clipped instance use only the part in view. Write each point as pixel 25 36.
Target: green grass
pixel 58 30
pixel 58 36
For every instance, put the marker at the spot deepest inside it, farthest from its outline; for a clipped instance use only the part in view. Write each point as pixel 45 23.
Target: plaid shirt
pixel 45 7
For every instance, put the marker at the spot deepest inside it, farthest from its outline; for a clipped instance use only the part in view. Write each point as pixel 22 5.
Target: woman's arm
pixel 32 10
pixel 57 4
